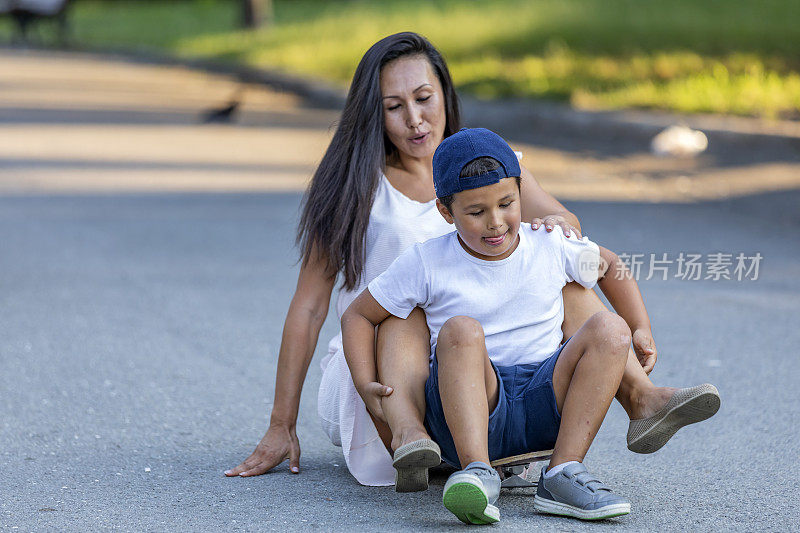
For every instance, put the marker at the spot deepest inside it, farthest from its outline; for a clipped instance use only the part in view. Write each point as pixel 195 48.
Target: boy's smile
pixel 487 219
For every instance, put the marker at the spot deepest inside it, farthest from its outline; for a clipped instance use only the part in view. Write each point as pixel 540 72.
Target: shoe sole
pixel 702 402
pixel 411 464
pixel 469 503
pixel 546 506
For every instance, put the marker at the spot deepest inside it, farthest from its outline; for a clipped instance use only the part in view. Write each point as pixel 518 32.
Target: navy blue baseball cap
pixel 467 145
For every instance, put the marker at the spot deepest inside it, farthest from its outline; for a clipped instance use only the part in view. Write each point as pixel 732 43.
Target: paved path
pixel 139 332
pixel 74 123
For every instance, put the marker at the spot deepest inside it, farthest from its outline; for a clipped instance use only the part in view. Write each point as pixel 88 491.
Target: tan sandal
pixel 412 461
pixel 686 406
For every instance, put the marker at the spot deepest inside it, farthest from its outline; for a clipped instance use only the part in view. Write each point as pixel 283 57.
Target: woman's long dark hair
pixel 337 204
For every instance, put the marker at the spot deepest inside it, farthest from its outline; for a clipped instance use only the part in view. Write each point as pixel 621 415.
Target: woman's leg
pixel 637 394
pixel 403 348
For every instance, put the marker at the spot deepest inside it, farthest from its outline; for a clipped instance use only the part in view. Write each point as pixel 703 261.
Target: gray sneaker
pixel 470 494
pixel 575 492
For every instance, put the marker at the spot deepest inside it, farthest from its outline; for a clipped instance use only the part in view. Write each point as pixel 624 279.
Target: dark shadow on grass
pixel 295 119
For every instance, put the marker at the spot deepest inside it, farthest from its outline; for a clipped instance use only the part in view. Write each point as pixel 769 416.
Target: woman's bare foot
pixel 408 435
pixel 650 401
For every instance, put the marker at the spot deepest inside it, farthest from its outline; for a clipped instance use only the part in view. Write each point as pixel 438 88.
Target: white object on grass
pixel 679 141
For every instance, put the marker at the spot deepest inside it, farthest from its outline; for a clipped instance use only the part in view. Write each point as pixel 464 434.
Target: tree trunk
pixel 256 13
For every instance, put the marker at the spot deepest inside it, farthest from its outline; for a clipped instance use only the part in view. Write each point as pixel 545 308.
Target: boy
pixel 499 384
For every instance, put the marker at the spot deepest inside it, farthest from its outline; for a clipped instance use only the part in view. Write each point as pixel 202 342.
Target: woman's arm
pixel 538 204
pixel 622 292
pixel 304 320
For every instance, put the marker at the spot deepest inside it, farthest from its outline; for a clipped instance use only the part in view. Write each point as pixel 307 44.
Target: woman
pixel 371 197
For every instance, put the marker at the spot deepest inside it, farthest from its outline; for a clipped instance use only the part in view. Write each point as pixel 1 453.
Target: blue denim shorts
pixel 526 418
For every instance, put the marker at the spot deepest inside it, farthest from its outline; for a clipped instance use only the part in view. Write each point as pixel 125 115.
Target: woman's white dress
pixel 395 223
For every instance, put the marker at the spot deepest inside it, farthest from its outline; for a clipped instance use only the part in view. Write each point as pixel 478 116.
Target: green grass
pixel 719 56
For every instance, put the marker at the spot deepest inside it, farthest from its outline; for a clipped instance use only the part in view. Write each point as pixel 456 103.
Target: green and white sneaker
pixel 575 492
pixel 470 494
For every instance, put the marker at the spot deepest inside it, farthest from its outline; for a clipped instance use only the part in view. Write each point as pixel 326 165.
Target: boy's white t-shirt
pixel 517 300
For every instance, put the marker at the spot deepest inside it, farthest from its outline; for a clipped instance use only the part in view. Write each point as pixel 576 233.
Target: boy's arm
pixel 358 338
pixel 622 291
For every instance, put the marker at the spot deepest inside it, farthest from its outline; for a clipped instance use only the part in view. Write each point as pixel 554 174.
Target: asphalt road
pixel 139 334
pixel 139 339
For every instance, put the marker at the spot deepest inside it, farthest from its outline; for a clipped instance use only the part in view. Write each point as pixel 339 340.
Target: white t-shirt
pixel 517 300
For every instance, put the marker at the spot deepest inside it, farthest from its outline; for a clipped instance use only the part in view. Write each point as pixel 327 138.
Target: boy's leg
pixel 467 386
pixel 585 378
pixel 656 413
pixel 469 391
pixel 637 394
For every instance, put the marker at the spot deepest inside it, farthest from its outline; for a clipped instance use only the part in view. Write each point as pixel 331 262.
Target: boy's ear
pixel 444 211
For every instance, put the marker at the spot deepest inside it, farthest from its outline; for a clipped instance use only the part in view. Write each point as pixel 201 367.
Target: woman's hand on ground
pixel 278 444
pixel 372 393
pixel 551 221
pixel 645 348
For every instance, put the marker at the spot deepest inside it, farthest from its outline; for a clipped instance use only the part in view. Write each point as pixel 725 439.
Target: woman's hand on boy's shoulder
pixel 551 221
pixel 645 348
